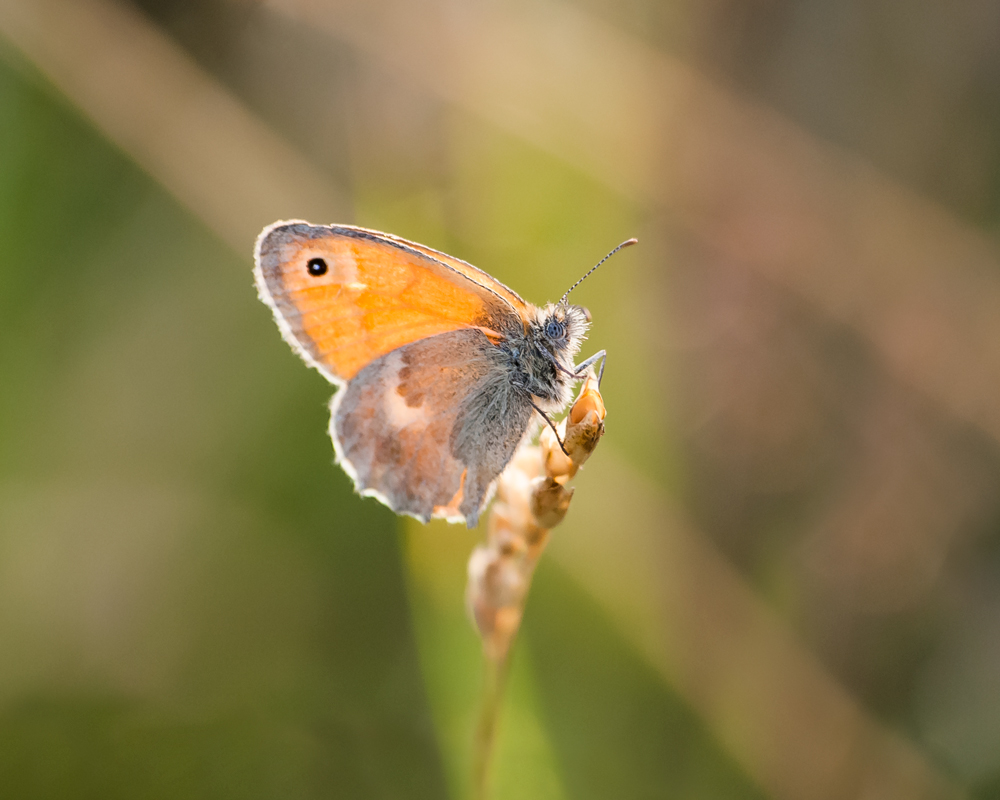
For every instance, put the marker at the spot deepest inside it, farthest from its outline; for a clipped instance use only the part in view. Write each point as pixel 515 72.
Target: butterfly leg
pixel 600 355
pixel 551 425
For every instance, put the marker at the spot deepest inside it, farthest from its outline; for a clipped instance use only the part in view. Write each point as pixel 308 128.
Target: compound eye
pixel 554 329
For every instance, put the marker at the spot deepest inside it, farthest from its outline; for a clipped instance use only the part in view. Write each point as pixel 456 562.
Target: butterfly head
pixel 541 359
pixel 560 328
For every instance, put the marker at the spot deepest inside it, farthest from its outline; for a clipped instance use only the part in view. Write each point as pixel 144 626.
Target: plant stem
pixel 494 682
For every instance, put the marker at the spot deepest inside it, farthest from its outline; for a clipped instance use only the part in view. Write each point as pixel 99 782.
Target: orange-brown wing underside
pixel 466 269
pixel 368 293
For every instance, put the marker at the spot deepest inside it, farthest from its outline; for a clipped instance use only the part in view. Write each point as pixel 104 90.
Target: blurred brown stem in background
pixel 532 498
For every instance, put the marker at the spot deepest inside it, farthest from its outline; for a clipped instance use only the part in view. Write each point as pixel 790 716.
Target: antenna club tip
pixel 630 242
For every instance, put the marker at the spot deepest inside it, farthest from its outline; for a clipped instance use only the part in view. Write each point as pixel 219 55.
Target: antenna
pixel 626 243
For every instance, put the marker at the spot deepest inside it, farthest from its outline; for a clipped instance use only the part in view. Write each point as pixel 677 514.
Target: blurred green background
pixel 781 574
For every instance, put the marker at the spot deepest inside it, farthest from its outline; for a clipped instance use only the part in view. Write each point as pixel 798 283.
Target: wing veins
pixel 402 245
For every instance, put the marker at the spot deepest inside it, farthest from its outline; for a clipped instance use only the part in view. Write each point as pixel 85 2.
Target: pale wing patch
pixel 347 267
pixel 400 413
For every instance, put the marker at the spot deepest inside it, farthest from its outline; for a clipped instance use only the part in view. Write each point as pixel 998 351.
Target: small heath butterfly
pixel 442 368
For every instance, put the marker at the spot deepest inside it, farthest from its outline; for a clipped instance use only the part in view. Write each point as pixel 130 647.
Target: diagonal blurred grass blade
pixel 180 125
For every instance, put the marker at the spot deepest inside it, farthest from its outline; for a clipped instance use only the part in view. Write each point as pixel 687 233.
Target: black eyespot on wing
pixel 316 266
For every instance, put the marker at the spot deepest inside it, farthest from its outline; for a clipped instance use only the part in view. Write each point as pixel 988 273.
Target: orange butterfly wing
pixel 343 296
pixel 472 273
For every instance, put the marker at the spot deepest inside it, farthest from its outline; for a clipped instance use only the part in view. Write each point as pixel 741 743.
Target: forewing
pixel 428 427
pixel 484 279
pixel 377 293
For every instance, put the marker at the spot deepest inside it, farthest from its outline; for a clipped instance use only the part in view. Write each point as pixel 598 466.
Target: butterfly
pixel 442 369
